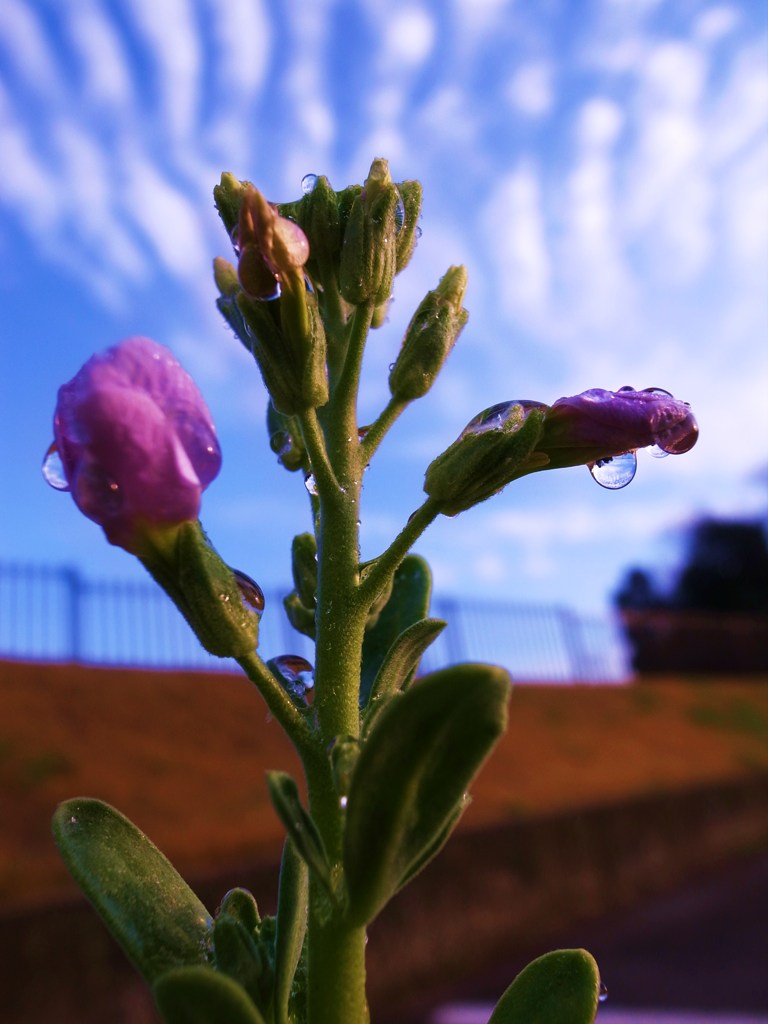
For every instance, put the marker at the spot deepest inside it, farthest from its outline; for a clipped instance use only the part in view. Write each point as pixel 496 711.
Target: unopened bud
pixel 430 336
pixel 368 255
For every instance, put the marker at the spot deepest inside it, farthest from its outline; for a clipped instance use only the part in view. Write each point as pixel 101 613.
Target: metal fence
pixel 56 614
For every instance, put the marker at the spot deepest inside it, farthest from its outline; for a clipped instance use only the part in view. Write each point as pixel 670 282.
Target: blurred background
pixel 601 167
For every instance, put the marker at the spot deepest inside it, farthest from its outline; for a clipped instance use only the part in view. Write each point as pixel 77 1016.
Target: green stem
pixel 378 429
pixel 376 573
pixel 314 441
pixel 280 705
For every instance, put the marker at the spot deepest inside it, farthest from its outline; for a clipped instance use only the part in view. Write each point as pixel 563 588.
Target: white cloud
pixel 408 37
pixel 515 234
pixel 243 38
pixel 530 89
pixel 102 59
pixel 599 123
pixel 173 42
pixel 715 22
pixel 23 38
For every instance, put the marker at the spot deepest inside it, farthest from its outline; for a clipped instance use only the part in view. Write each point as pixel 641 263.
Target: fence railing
pixel 57 614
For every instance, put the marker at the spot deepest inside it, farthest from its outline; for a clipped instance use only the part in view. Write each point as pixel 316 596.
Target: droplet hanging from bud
pixel 308 183
pixel 614 472
pixel 53 469
pixel 296 675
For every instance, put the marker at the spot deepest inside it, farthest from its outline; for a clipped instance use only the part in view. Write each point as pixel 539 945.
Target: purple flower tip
pixel 136 441
pixel 600 424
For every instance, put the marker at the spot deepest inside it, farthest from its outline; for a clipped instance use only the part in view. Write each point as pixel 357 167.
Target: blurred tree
pixel 714 617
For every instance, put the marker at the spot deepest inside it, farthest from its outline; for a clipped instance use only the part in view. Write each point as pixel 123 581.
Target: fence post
pixel 571 633
pixel 74 583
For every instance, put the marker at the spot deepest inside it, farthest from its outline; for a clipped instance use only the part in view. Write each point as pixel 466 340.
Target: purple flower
pixel 600 424
pixel 136 441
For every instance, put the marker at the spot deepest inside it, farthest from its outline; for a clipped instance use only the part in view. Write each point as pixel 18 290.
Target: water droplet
pixel 296 674
pixel 418 231
pixel 308 183
pixel 281 442
pixel 614 472
pixel 657 453
pixel 53 469
pixel 250 591
pixel 658 391
pixel 234 237
pixel 680 438
pixel 627 387
pixel 343 803
pixel 362 432
pixel 272 295
pixel 399 215
pixel 311 484
pixel 603 994
pixel 496 416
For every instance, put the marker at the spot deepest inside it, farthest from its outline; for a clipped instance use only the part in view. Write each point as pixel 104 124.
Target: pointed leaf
pixel 300 827
pixel 408 603
pixel 292 901
pixel 238 955
pixel 199 995
pixel 145 903
pixel 557 987
pixel 423 751
pixel 403 657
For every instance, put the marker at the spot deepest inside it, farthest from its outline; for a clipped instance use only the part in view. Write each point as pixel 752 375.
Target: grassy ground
pixel 185 756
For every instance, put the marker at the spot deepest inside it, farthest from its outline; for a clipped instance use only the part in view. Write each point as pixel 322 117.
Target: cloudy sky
pixel 600 166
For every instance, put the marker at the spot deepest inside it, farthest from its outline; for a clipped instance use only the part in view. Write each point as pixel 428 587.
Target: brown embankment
pixel 596 797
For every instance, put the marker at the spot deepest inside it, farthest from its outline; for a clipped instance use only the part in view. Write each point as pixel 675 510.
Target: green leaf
pixel 240 904
pixel 557 987
pixel 403 658
pixel 424 749
pixel 292 901
pixel 300 827
pixel 238 956
pixel 408 604
pixel 199 995
pixel 145 903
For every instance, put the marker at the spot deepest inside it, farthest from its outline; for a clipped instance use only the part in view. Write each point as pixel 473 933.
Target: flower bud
pixel 488 453
pixel 285 439
pixel 408 227
pixel 318 215
pixel 137 442
pixel 228 197
pixel 430 336
pixel 600 424
pixel 304 568
pixel 369 252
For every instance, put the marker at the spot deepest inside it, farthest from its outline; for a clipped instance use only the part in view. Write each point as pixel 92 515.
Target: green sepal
pixel 408 603
pixel 423 751
pixel 285 440
pixel 562 986
pixel 317 214
pixel 228 283
pixel 300 617
pixel 408 233
pixel 237 954
pixel 240 904
pixel 280 375
pixel 147 906
pixel 204 589
pixel 368 254
pixel 304 568
pixel 481 463
pixel 292 903
pixel 402 660
pixel 228 197
pixel 200 995
pixel 299 825
pixel 430 337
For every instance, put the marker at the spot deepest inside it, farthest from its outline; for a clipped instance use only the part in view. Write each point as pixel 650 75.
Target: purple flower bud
pixel 601 424
pixel 136 441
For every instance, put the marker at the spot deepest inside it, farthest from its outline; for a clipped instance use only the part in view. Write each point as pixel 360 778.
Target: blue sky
pixel 601 167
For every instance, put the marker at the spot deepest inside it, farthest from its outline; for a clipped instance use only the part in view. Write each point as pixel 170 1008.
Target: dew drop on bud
pixel 680 438
pixel 399 215
pixel 496 416
pixel 308 183
pixel 311 484
pixel 250 591
pixel 614 472
pixel 343 803
pixel 53 469
pixel 603 993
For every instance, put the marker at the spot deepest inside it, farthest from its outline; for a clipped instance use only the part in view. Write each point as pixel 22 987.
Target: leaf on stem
pixel 423 751
pixel 200 995
pixel 560 986
pixel 408 604
pixel 145 903
pixel 292 901
pixel 299 825
pixel 403 658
